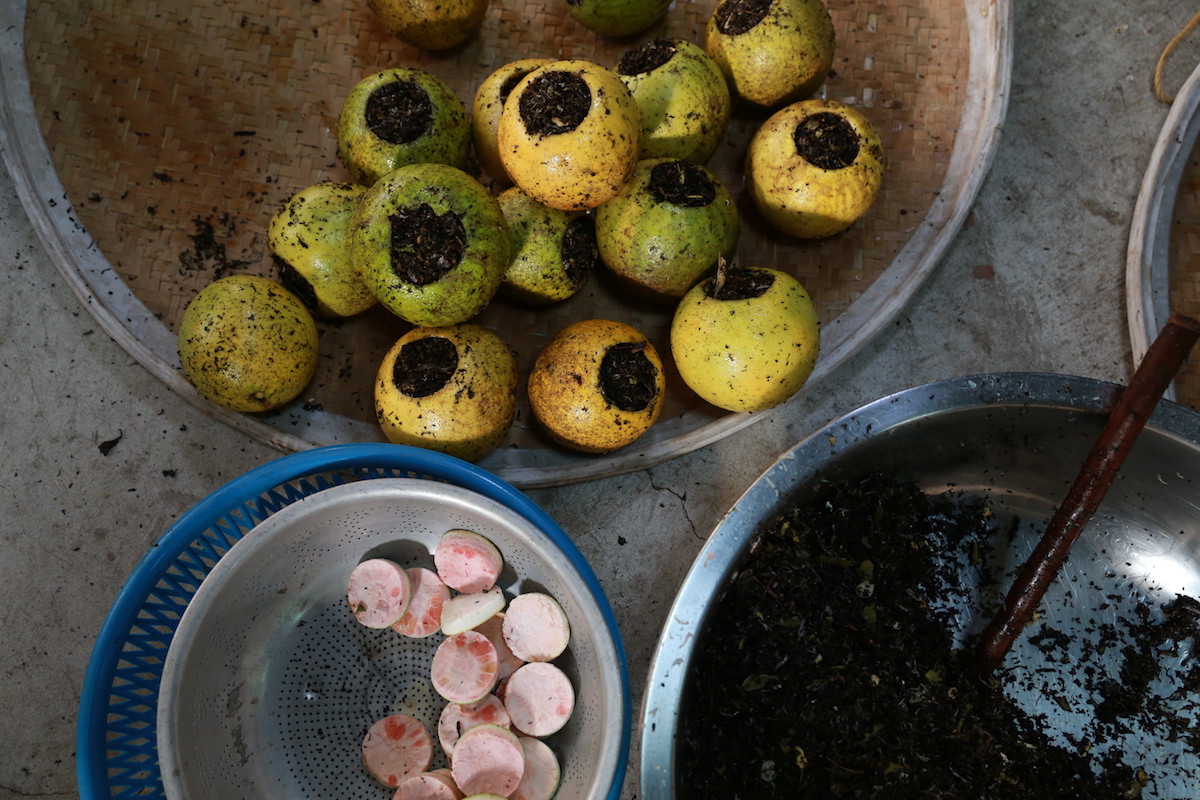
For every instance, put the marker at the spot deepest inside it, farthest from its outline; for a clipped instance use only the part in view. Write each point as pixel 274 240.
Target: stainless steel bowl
pixel 1020 439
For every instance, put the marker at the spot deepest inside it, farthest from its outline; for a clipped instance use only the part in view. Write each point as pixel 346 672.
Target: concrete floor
pixel 1035 281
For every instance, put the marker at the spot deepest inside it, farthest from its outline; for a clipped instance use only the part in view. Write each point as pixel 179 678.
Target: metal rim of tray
pixel 127 320
pixel 116 744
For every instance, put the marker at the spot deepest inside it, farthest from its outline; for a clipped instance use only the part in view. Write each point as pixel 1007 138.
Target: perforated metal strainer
pixel 270 683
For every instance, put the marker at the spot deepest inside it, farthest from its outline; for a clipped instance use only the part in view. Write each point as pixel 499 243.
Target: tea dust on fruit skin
pixel 828 669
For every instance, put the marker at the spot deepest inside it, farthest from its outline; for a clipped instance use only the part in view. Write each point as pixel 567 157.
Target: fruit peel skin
pixel 247 343
pixel 431 24
pixel 783 58
pixel 617 17
pixel 368 157
pixel 471 414
pixel 536 273
pixel 462 292
pixel 661 248
pixel 804 200
pixel 311 234
pixel 486 107
pixel 566 397
pixel 746 355
pixel 581 168
pixel 685 105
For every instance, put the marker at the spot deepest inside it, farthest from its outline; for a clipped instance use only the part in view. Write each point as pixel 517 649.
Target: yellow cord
pixel 1162 58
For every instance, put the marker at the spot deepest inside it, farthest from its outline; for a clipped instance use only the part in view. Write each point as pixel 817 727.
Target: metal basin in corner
pixel 1019 438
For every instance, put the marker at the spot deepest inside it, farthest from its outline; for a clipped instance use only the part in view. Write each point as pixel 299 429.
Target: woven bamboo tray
pixel 1162 272
pixel 152 139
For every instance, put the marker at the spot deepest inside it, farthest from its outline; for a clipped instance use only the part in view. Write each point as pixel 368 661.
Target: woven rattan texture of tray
pixel 178 128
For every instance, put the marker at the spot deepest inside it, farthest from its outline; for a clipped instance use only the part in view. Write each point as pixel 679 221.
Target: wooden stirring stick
pixel 1137 401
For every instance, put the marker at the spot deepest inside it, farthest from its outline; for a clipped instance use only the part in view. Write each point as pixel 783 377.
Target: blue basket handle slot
pixel 116 742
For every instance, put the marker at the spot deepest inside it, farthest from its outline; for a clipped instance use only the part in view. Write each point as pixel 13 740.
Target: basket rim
pixel 92 723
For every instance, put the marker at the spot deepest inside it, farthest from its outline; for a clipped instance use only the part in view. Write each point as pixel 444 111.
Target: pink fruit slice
pixel 467 562
pixel 378 592
pixel 539 699
pixel 542 771
pixel 428 597
pixel 464 667
pixel 428 786
pixel 396 747
pixel 488 759
pixel 458 718
pixel 493 630
pixel 535 627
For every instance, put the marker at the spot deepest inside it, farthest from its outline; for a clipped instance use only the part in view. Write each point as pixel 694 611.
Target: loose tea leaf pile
pixel 829 668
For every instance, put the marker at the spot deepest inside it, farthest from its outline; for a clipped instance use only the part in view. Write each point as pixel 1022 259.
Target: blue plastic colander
pixel 116 737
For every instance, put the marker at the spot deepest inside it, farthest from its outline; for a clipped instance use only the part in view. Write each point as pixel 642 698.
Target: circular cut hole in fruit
pixel 738 284
pixel 734 17
pixel 399 112
pixel 628 379
pixel 579 250
pixel 647 58
pixel 681 183
pixel 295 283
pixel 425 244
pixel 425 365
pixel 826 140
pixel 510 83
pixel 554 102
